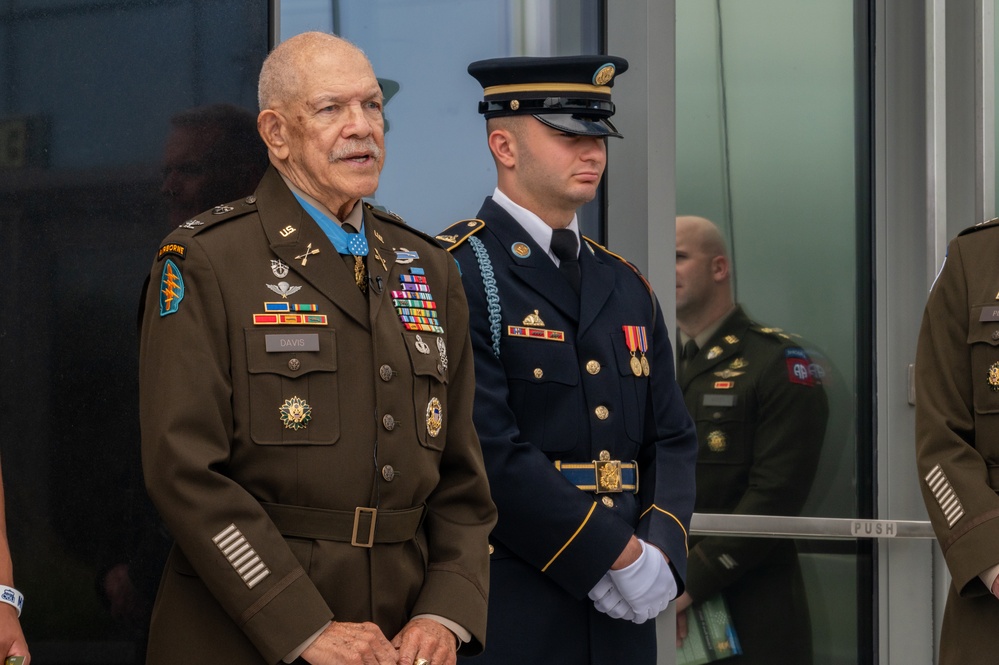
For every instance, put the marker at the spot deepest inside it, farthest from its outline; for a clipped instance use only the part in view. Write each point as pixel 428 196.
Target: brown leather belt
pixel 361 528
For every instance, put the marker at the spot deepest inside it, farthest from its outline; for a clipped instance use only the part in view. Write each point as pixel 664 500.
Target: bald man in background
pixel 760 413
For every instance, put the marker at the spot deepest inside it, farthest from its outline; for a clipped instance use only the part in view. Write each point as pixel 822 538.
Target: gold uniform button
pixel 294 364
pixel 602 412
pixel 388 473
pixel 607 501
pixel 491 548
pixel 538 373
pixel 593 367
pixel 388 422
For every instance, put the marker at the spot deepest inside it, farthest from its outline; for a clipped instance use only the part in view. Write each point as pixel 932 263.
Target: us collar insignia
pixel 171 288
pixel 296 413
pixel 520 249
pixel 284 289
pixel 279 268
pixel 415 304
pixel 534 320
pixel 378 235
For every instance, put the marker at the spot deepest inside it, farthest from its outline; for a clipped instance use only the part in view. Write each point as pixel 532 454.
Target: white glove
pixel 647 585
pixel 607 599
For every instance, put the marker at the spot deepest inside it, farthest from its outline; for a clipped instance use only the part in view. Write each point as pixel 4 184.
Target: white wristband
pixel 12 596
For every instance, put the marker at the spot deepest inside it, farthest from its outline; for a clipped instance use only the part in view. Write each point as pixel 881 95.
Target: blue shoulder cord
pixel 492 293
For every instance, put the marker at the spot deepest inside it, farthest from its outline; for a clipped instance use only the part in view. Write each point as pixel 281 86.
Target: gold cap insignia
pixel 514 104
pixel 717 441
pixel 296 413
pixel 604 75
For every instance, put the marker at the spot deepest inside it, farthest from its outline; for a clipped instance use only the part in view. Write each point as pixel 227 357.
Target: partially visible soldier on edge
pixel 957 439
pixel 589 448
pixel 306 434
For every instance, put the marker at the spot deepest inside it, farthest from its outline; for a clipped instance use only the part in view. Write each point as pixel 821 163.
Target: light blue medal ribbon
pixel 354 244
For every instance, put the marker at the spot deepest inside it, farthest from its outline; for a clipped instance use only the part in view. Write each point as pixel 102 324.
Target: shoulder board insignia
pixel 383 215
pixel 987 224
pixel 220 213
pixel 451 237
pixel 592 243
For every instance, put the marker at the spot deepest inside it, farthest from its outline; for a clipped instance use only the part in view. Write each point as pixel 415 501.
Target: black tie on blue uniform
pixel 566 249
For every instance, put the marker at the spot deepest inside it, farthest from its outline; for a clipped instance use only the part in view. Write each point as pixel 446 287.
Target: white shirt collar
pixel 540 232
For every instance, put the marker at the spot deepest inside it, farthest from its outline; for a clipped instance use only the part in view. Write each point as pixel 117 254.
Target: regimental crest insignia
pixel 171 288
pixel 717 442
pixel 994 377
pixel 435 417
pixel 279 268
pixel 296 413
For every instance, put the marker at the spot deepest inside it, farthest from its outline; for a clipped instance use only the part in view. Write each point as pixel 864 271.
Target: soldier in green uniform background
pixel 760 414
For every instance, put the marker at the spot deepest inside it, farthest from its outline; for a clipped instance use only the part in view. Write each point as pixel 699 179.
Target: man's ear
pixel 273 130
pixel 503 145
pixel 719 268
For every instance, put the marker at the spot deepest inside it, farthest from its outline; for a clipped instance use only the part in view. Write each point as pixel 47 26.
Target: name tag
pixel 278 343
pixel 989 314
pixel 718 400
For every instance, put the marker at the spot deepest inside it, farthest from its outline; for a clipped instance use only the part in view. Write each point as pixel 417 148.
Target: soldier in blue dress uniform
pixel 589 449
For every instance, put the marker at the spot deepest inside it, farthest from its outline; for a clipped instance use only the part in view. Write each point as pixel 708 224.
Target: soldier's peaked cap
pixel 570 93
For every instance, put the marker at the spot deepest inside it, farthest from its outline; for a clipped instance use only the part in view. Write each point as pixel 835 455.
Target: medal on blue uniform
pixel 633 336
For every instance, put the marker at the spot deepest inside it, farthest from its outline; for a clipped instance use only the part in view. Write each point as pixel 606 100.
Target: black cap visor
pixel 575 124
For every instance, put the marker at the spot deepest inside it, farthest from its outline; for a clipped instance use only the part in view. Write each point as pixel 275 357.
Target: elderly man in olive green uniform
pixel 957 439
pixel 306 405
pixel 760 414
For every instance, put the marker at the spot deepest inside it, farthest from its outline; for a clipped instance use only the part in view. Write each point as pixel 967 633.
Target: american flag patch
pixel 945 495
pixel 243 558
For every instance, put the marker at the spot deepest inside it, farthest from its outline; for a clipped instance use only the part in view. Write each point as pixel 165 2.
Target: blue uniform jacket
pixel 555 385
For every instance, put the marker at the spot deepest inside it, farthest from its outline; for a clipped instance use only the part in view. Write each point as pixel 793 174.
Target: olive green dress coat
pixel 761 416
pixel 957 436
pixel 281 408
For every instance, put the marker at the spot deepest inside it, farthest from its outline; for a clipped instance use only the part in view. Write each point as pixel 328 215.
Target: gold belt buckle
pixel 371 530
pixel 608 474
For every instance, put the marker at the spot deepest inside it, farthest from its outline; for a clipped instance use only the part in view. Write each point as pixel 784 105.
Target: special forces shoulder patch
pixel 171 288
pixel 451 237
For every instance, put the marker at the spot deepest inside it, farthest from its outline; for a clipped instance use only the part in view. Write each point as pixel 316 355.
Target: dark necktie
pixel 565 246
pixel 690 350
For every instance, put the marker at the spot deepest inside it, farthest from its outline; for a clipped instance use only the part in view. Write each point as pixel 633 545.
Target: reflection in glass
pixel 767 136
pixel 92 175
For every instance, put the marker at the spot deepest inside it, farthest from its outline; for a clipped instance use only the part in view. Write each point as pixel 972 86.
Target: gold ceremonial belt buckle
pixel 608 474
pixel 373 512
